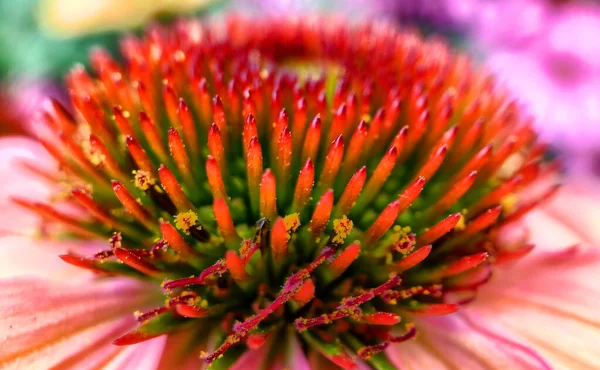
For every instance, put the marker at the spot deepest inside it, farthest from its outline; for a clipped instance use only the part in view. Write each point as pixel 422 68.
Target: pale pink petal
pixel 27 256
pixel 576 207
pixel 75 350
pixel 549 300
pixel 35 314
pixel 14 219
pixel 146 355
pixel 453 341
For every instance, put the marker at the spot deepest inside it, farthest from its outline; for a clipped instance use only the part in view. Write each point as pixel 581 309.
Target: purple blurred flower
pixel 549 53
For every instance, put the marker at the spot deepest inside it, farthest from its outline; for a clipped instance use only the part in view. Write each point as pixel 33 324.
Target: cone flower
pixel 282 187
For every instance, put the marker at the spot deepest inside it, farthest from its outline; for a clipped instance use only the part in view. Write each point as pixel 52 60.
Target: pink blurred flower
pixel 548 54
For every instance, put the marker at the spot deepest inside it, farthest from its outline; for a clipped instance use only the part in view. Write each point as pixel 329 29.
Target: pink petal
pixel 14 219
pixel 35 314
pixel 454 342
pixel 146 356
pixel 26 256
pixel 75 350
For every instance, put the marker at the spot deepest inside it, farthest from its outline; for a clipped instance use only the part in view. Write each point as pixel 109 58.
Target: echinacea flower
pixel 291 193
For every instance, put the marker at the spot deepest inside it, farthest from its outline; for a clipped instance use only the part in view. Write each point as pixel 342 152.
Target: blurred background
pixel 546 51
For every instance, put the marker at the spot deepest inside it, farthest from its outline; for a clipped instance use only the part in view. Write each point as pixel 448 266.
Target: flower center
pixel 336 198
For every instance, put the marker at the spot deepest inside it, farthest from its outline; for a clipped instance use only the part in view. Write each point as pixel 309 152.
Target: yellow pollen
pixel 366 117
pixel 186 220
pixel 143 180
pixel 460 225
pixel 342 227
pixel 291 222
pixel 509 202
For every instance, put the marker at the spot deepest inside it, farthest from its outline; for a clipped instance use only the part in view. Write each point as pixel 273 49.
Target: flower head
pixel 299 177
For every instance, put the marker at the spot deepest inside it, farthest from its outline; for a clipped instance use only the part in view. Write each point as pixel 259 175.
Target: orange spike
pixel 299 123
pixel 437 309
pixel 219 119
pixel 225 224
pixel 173 189
pixel 412 259
pixel 312 139
pixel 461 265
pixel 496 195
pixel 133 260
pixel 305 293
pixel 332 164
pixel 215 179
pixel 475 164
pixel 201 101
pixel 355 148
pixel 215 146
pixel 379 176
pixel 415 133
pixel 122 120
pixel 152 135
pixel 62 116
pixel 411 193
pixel 400 139
pixel 482 221
pixel 304 186
pixel 438 230
pixel 279 240
pixel 49 212
pixel 190 311
pixel 268 193
pixel 77 152
pixel 189 128
pixel 351 192
pixel 236 267
pixel 248 106
pixel 132 206
pixel 321 214
pixel 453 195
pixel 375 131
pixel 466 143
pixel 338 123
pixel 345 259
pixel 180 155
pixel 382 318
pixel 523 209
pixel 284 160
pixel 107 159
pixel 93 207
pixel 139 155
pixel 385 220
pixel 177 242
pixel 433 163
pixel 254 170
pixel 250 131
pixel 146 99
pixel 278 127
pixel 500 155
pixel 170 101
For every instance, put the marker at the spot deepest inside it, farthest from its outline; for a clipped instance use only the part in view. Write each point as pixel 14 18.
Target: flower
pixel 542 51
pixel 306 193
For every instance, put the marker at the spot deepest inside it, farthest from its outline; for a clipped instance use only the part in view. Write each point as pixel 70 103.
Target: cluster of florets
pixel 298 174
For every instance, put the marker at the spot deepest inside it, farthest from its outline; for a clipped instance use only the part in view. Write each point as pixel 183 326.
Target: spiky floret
pixel 292 174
